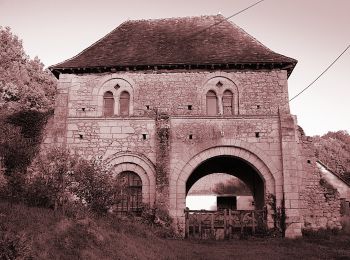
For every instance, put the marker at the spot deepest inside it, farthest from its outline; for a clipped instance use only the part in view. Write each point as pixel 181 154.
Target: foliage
pixel 14 245
pixel 24 84
pixel 57 179
pixel 279 216
pixel 49 178
pixel 20 139
pixel 54 236
pixel 322 233
pixel 95 186
pixel 231 186
pixel 333 149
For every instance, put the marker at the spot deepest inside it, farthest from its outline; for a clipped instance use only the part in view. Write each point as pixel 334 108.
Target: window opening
pixel 108 104
pixel 124 103
pixel 212 103
pixel 227 102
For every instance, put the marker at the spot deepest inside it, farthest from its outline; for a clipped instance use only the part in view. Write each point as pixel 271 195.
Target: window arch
pixel 131 193
pixel 212 103
pixel 227 102
pixel 124 103
pixel 108 104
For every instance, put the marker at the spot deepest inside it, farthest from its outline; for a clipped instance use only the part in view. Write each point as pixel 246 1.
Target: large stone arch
pixel 139 164
pixel 268 172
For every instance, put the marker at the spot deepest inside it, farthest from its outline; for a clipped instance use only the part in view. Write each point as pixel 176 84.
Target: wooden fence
pixel 224 224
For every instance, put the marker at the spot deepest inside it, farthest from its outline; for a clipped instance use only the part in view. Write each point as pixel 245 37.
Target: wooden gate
pixel 224 224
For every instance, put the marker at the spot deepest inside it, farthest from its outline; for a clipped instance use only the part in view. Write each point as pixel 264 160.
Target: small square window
pixel 258 106
pixel 189 107
pixel 147 107
pixel 144 136
pixel 83 108
pixel 190 136
pixel 257 134
pixel 80 136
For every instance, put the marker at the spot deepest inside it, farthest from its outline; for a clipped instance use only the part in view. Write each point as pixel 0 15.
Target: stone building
pixel 168 101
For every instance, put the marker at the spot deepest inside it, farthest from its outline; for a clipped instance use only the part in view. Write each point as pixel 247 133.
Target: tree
pixel 24 84
pixel 26 99
pixel 333 149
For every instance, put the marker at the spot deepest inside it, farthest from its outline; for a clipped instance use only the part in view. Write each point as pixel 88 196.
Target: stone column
pixel 162 159
pixel 59 130
pixel 291 170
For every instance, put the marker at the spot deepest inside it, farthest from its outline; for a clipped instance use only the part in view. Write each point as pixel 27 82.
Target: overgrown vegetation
pixel 53 235
pixel 279 216
pixel 26 101
pixel 333 149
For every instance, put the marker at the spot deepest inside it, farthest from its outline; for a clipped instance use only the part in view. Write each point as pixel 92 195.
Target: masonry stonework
pixel 170 141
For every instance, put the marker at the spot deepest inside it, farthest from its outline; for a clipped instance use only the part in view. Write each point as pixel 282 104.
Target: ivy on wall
pixel 21 138
pixel 162 153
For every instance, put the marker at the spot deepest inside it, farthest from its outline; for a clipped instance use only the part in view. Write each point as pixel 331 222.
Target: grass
pixel 55 236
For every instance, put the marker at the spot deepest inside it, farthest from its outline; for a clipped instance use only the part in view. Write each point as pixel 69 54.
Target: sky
pixel 314 32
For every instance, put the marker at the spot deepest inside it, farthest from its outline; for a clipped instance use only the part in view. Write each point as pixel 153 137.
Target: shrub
pixel 159 218
pixel 58 179
pixel 345 223
pixel 49 178
pixel 95 187
pixel 322 233
pixel 14 245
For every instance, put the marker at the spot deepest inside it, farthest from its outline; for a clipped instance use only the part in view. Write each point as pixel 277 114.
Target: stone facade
pixel 261 131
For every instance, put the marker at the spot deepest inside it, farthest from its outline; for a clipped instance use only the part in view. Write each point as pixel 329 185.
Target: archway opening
pixel 131 193
pixel 228 169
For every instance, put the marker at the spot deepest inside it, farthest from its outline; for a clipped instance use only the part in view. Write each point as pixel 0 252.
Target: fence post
pixel 187 224
pixel 200 224
pixel 212 230
pixel 230 223
pixel 253 224
pixel 225 224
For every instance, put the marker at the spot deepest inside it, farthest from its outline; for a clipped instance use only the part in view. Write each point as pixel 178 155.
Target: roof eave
pixel 288 66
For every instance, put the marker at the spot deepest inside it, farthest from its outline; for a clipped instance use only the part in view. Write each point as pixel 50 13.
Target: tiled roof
pixel 189 40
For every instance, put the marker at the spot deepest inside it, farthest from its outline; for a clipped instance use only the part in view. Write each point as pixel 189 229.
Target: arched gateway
pixel 237 161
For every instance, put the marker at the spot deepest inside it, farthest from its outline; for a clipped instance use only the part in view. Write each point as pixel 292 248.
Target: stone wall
pixel 320 204
pixel 172 92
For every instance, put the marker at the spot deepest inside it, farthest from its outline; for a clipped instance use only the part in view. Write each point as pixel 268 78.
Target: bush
pixel 49 179
pixel 58 179
pixel 14 245
pixel 159 218
pixel 95 186
pixel 322 233
pixel 345 223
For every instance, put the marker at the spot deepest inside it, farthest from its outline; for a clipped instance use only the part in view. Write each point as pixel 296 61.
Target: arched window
pixel 124 103
pixel 227 102
pixel 108 104
pixel 131 193
pixel 212 103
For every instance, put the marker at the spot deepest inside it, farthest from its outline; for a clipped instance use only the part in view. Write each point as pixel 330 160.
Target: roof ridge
pixel 175 18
